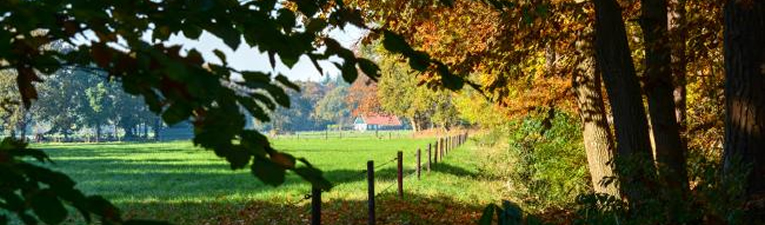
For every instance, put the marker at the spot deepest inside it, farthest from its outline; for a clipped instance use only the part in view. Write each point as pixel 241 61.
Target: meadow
pixel 180 183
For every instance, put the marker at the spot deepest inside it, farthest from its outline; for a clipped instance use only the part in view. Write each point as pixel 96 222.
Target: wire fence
pixel 442 147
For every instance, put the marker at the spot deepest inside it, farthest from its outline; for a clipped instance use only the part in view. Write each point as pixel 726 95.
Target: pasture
pixel 178 182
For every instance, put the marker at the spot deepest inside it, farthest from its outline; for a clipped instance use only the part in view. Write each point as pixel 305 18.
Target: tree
pixel 745 99
pixel 128 112
pixel 630 123
pixel 296 117
pixel 97 111
pixel 14 117
pixel 332 107
pixel 669 149
pixel 399 93
pixel 62 102
pixel 596 132
pixel 522 55
pixel 177 85
pixel 362 97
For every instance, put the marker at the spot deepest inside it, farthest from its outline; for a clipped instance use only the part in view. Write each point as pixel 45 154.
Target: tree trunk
pixel 598 140
pixel 413 121
pixel 744 50
pixel 630 123
pixel 678 36
pixel 669 150
pixel 157 128
pixel 98 132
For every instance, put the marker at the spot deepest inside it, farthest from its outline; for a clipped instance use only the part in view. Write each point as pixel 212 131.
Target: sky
pixel 245 58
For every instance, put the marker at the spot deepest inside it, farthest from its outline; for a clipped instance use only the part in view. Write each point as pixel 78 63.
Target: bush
pixel 543 162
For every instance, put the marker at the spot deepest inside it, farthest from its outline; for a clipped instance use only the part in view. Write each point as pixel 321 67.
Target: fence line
pixel 444 145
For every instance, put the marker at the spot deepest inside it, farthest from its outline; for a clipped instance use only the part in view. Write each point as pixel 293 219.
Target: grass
pixel 177 182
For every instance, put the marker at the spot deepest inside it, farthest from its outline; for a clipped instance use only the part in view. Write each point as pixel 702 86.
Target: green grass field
pixel 177 182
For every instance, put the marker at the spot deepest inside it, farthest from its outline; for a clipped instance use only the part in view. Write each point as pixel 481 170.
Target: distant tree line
pixel 76 105
pixel 333 104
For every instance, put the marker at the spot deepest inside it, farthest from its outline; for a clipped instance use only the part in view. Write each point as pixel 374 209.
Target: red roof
pixel 381 120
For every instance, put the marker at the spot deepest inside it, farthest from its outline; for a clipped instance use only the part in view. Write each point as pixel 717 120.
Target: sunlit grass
pixel 179 182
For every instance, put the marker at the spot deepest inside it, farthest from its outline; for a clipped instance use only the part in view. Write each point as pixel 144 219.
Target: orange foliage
pixel 503 51
pixel 362 97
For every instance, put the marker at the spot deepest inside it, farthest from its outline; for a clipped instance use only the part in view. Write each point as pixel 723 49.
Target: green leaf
pixel 254 109
pixel 349 72
pixel 278 95
pixel 419 61
pixel 286 18
pixel 221 56
pixel 395 43
pixel 313 175
pixel 226 31
pixel 24 81
pixel 448 79
pixel 268 171
pixel 238 157
pixel 13 201
pixel 47 207
pixel 176 113
pixel 286 82
pixel 369 68
pixel 192 31
pixel 315 25
pixel 307 7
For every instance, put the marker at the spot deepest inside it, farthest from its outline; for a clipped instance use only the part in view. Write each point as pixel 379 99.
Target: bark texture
pixel 598 140
pixel 630 123
pixel 744 50
pixel 679 35
pixel 669 150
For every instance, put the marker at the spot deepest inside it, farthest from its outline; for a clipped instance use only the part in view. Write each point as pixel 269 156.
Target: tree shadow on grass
pixel 390 172
pixel 412 209
pixel 453 170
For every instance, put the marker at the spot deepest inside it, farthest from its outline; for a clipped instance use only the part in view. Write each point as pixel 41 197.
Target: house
pixel 376 122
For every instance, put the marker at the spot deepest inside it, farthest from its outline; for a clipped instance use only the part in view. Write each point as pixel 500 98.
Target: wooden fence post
pixel 448 144
pixel 429 155
pixel 371 192
pixel 315 206
pixel 435 153
pixel 441 148
pixel 419 167
pixel 400 174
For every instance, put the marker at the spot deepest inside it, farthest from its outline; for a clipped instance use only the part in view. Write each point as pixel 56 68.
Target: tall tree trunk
pixel 744 50
pixel 598 140
pixel 632 143
pixel 413 121
pixel 678 36
pixel 98 132
pixel 669 150
pixel 157 128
